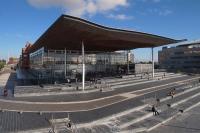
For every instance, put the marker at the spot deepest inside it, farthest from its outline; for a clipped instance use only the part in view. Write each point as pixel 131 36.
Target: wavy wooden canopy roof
pixel 68 32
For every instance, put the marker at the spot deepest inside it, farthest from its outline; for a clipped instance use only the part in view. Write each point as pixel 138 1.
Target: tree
pixel 2 64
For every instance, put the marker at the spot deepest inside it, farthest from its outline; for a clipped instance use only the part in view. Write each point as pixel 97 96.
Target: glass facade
pixel 36 59
pixel 58 62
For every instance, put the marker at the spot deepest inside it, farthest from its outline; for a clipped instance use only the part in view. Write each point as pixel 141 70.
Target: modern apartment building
pixel 184 57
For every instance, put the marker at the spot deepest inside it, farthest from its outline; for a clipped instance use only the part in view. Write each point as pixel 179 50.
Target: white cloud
pixel 105 5
pixel 165 12
pixel 155 1
pixel 80 7
pixel 161 12
pixel 120 17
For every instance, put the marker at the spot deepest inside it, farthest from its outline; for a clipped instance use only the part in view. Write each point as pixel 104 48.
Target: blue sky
pixel 26 20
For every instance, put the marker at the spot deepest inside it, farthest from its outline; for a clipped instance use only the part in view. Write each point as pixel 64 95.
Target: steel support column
pixel 152 62
pixel 65 63
pixel 83 68
pixel 128 54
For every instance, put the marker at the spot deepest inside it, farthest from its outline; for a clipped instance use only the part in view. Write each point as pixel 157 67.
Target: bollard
pixel 20 112
pixel 40 113
pixel 76 87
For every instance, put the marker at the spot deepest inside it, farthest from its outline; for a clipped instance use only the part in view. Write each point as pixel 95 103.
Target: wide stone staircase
pixel 107 84
pixel 141 118
pixel 140 78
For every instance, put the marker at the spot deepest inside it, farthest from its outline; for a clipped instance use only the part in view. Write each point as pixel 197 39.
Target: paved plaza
pixel 122 109
pixel 184 123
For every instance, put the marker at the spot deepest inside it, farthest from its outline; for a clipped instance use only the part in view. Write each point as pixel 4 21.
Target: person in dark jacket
pixel 154 110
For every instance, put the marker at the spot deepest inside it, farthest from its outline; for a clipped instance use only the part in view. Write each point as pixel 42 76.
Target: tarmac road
pixel 78 106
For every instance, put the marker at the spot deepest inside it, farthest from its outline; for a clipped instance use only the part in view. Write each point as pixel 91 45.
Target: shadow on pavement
pixel 11 82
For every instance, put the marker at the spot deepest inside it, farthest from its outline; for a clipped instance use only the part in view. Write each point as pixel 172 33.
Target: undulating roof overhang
pixel 68 32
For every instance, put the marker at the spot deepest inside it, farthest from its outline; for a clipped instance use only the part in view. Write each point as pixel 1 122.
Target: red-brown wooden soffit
pixel 68 32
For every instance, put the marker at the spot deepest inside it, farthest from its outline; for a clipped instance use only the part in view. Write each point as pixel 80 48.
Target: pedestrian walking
pixel 172 93
pixel 5 92
pixel 69 125
pixel 154 110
